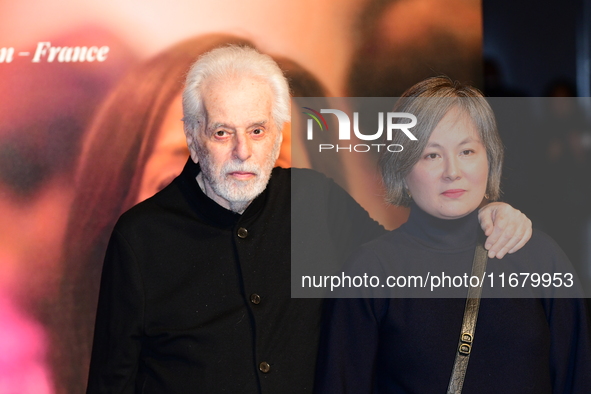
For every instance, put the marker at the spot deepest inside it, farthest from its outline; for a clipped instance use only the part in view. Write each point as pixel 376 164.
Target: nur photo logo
pixel 389 122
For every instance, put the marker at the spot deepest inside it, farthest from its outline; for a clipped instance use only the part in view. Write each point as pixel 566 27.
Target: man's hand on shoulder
pixel 506 228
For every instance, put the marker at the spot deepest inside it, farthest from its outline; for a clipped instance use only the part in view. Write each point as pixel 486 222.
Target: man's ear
pixel 190 135
pixel 288 130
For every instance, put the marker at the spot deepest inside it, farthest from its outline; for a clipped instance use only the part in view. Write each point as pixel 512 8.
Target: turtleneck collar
pixel 442 234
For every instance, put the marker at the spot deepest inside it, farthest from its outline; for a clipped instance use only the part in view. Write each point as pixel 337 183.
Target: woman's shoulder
pixel 542 245
pixel 542 266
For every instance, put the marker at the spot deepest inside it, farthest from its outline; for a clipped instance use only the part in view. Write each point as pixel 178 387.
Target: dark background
pixel 536 42
pixel 542 48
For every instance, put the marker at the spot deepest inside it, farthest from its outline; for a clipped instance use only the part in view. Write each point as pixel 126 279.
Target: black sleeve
pixel 327 224
pixel 568 320
pixel 119 322
pixel 351 226
pixel 570 345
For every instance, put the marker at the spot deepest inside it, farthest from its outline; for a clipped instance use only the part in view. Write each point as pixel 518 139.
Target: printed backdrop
pixel 90 125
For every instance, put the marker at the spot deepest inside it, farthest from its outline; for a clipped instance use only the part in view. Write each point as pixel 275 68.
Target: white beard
pixel 238 193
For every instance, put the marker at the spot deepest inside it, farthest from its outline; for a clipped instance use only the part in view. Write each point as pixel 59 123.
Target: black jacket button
pixel 242 232
pixel 255 298
pixel 264 367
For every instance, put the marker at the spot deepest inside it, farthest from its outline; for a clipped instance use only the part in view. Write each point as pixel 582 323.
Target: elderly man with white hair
pixel 195 292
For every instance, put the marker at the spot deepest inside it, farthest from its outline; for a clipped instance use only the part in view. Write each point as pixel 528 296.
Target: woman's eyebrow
pixel 438 145
pixel 467 141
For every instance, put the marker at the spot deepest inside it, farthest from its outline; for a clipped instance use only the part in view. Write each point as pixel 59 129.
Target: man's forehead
pixel 227 86
pixel 237 102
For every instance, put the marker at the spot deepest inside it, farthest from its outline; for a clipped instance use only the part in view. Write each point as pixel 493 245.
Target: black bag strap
pixel 469 324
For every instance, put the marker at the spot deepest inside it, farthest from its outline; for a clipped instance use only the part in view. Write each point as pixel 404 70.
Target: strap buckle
pixel 466 346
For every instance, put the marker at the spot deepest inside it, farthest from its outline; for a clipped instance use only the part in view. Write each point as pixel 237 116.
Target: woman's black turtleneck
pixel 408 345
pixel 440 234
